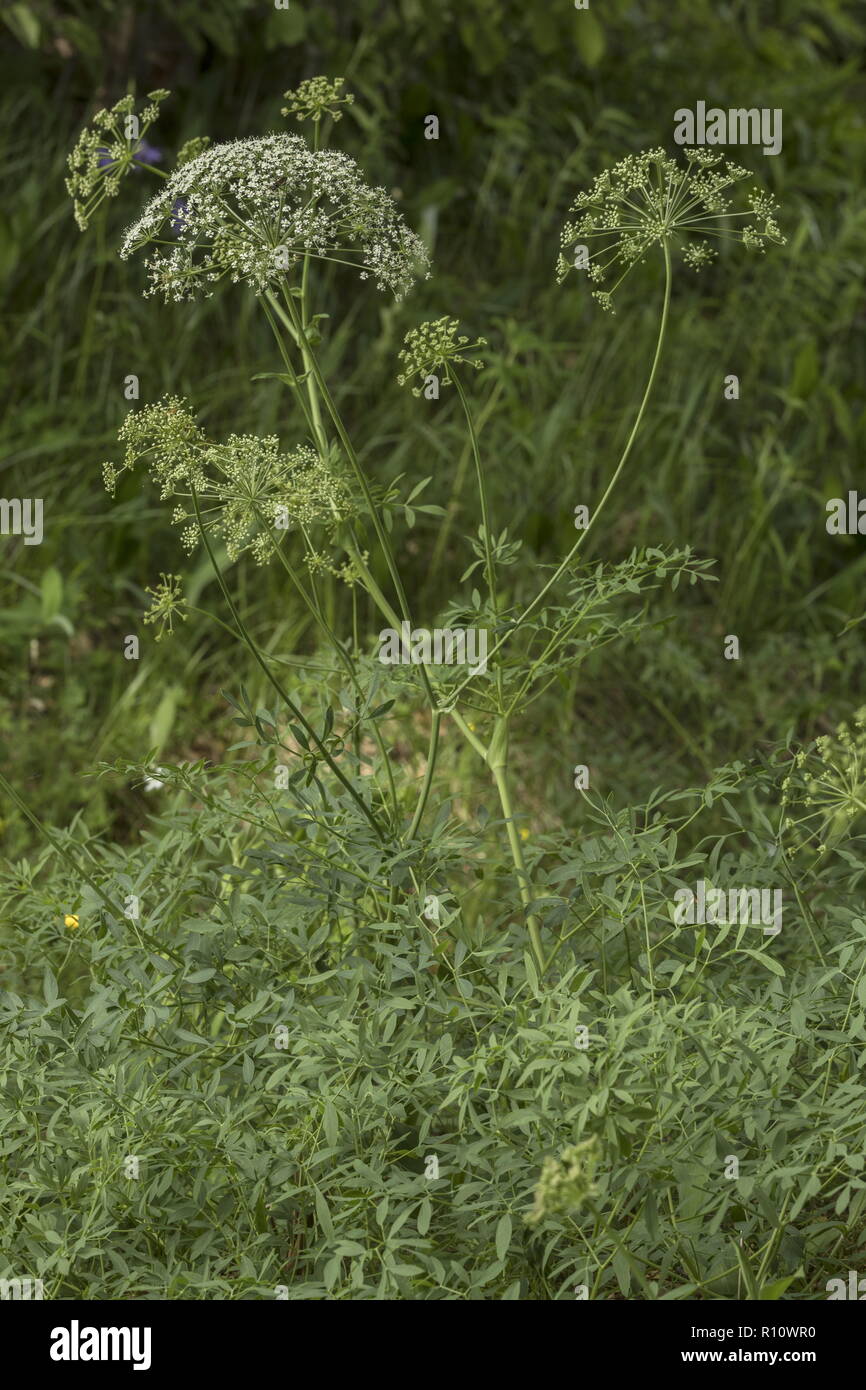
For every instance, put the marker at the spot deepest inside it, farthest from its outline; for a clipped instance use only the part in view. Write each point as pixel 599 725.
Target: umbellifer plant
pixel 286 1036
pixel 263 213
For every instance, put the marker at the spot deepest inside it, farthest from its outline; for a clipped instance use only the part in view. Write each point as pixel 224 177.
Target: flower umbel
pixel 254 209
pixel 830 780
pixel 567 1181
pixel 317 97
pixel 433 346
pixel 245 487
pixel 168 603
pixel 649 200
pixel 105 152
pixel 192 149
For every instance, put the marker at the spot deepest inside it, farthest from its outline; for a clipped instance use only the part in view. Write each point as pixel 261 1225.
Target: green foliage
pixel 284 1074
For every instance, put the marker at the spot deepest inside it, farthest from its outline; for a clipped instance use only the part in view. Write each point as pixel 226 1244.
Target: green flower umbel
pixel 317 97
pixel 106 150
pixel 567 1181
pixel 432 347
pixel 167 603
pixel 649 200
pixel 247 489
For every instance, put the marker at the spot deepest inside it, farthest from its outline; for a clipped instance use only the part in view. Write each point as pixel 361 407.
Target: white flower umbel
pixel 252 209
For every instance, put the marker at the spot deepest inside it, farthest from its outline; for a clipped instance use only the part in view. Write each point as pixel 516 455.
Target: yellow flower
pixel 70 922
pixel 524 834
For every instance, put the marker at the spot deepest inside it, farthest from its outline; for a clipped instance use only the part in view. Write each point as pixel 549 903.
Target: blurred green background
pixel 534 98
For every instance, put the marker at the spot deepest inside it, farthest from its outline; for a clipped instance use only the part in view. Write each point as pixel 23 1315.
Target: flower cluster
pixel 832 779
pixel 173 442
pixel 316 97
pixel 105 152
pixel 255 208
pixel 245 487
pixel 167 604
pixel 348 571
pixel 650 200
pixel 434 346
pixel 567 1181
pixel 192 149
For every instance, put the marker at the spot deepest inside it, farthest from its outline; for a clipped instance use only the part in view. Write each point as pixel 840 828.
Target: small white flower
pixel 242 200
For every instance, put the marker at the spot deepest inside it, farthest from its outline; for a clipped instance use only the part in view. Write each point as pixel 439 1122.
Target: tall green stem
pixel 497 761
pixel 457 486
pixel 433 748
pixel 314 420
pixel 482 495
pixel 312 367
pixel 496 755
pixel 617 471
pixel 314 373
pixel 309 402
pixel 284 695
pixel 342 655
